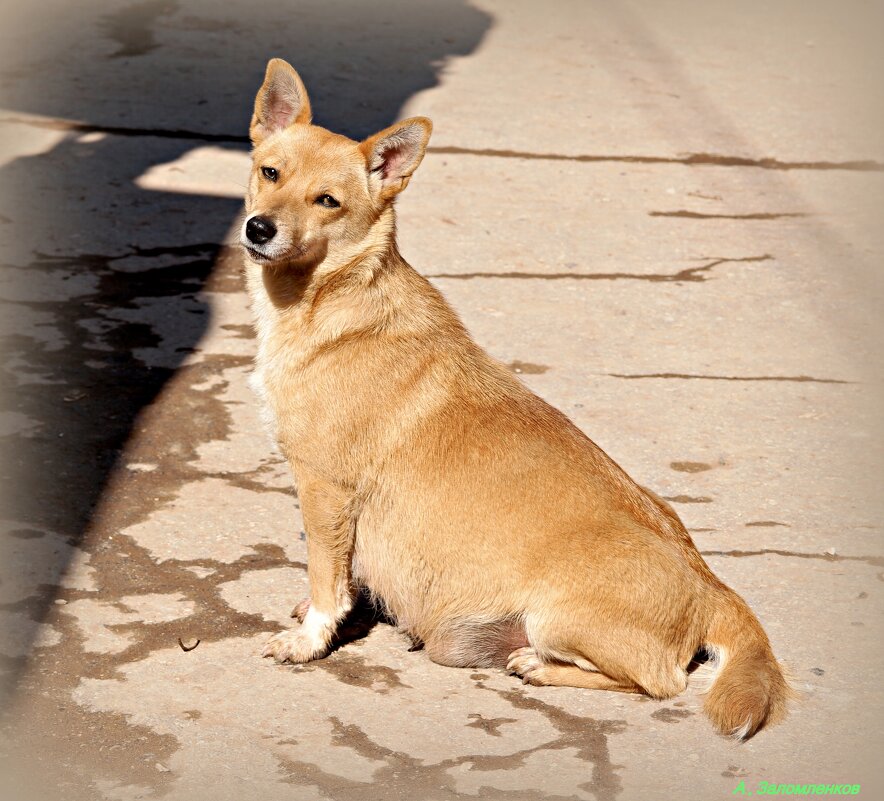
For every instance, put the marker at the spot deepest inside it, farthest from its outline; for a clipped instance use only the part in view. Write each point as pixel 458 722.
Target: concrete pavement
pixel 664 216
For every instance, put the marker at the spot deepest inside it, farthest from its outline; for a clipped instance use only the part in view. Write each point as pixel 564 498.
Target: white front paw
pixel 310 641
pixel 294 646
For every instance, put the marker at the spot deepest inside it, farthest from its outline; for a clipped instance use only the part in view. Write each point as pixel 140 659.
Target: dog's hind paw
pixel 527 665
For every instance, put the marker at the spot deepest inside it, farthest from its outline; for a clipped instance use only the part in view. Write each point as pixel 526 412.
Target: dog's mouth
pixel 293 253
pixel 257 255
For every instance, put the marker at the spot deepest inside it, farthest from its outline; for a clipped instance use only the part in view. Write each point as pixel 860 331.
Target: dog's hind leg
pixel 600 655
pixel 526 664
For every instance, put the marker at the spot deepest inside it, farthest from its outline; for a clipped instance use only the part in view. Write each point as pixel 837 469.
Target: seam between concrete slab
pixel 692 274
pixel 121 130
pixel 694 376
pixel 688 159
pixel 874 561
pixel 697 215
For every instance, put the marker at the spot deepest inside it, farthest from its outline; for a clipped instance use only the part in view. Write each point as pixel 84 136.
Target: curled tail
pixel 749 690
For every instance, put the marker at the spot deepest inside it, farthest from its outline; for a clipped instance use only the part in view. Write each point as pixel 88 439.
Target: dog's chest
pixel 265 407
pixel 289 405
pixel 304 410
pixel 282 348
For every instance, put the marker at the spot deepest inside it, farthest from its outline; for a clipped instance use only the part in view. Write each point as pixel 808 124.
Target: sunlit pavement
pixel 663 216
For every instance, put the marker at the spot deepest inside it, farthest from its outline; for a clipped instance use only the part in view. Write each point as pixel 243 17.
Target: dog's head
pixel 312 192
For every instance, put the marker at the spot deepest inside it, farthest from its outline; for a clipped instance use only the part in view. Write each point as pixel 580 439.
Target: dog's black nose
pixel 260 230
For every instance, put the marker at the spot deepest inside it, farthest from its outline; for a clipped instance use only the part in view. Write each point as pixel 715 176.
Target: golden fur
pixel 490 527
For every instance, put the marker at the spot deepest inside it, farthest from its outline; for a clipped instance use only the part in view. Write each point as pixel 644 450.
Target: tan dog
pixel 489 526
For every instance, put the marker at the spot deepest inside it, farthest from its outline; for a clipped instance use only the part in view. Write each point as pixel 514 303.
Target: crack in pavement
pixel 695 376
pixel 689 159
pixel 687 275
pixel 874 561
pixel 697 215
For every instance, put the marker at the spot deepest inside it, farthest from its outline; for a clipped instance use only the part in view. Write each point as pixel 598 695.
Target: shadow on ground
pixel 84 244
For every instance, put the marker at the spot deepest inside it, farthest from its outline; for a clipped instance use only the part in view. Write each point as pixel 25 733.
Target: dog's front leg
pixel 330 525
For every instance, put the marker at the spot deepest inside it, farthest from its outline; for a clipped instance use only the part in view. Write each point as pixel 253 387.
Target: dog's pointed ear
pixel 394 154
pixel 281 101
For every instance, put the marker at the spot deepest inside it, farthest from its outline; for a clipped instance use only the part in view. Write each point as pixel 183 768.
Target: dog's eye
pixel 269 173
pixel 328 201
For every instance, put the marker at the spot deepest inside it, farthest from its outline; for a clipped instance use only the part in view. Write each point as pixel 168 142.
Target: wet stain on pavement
pixel 95 367
pixel 671 715
pixel 99 440
pixel 242 331
pixel 690 467
pixel 488 725
pixel 687 498
pixel 587 735
pixel 132 27
pixel 351 668
pixel 26 533
pixel 402 776
pixel 527 368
